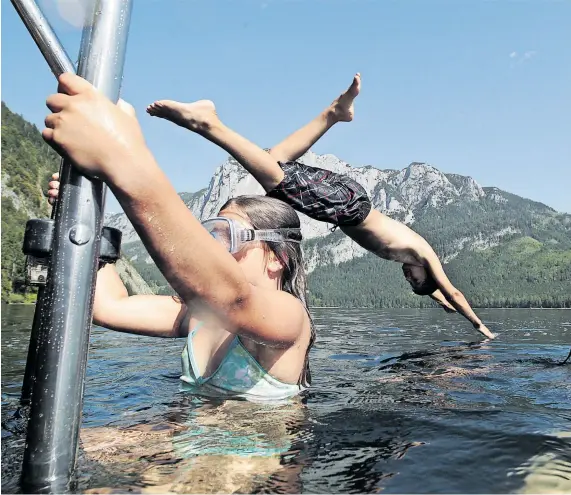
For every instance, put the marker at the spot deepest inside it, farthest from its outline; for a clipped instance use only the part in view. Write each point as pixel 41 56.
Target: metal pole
pixel 30 372
pixel 63 339
pixel 44 36
pixel 59 62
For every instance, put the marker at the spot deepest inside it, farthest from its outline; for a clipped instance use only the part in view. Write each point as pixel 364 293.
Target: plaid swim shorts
pixel 322 195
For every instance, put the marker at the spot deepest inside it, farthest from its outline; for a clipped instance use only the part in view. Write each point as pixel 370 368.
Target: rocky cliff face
pixel 133 281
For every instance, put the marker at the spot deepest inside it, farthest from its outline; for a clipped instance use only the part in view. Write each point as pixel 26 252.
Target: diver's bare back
pixel 390 239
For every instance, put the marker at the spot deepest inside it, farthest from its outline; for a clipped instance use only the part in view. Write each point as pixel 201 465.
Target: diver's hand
pixel 100 138
pixel 483 329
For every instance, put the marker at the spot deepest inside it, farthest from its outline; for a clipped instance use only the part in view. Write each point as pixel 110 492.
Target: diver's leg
pixel 321 194
pixel 341 110
pixel 201 117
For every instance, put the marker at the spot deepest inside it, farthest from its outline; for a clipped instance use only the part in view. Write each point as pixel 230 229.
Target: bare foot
pixel 342 108
pixel 197 117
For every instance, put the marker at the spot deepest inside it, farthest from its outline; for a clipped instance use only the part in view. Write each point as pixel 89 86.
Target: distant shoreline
pixel 476 307
pixel 323 307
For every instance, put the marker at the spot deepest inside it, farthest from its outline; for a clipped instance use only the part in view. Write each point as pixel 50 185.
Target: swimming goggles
pixel 233 235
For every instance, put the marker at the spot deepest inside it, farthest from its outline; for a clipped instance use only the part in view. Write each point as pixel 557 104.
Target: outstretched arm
pixel 201 117
pixel 150 315
pixel 440 299
pixel 453 295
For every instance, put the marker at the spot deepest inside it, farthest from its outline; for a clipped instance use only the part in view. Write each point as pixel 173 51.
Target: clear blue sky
pixel 480 88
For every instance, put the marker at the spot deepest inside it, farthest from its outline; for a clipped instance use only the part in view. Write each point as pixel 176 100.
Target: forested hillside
pixel 27 163
pixel 523 272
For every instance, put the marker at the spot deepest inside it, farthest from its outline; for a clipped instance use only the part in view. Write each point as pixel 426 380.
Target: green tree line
pixel 27 163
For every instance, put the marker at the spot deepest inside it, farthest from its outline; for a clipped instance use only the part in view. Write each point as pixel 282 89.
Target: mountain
pixel 27 164
pixel 499 248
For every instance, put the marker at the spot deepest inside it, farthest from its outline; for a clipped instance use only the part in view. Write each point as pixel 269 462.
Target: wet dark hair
pixel 424 287
pixel 264 212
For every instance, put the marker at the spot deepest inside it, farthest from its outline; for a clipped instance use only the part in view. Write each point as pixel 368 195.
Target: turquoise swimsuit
pixel 239 375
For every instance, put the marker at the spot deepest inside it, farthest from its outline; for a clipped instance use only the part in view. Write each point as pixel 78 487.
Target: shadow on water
pixel 400 403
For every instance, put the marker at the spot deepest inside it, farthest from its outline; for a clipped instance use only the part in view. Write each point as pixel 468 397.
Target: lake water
pixel 406 401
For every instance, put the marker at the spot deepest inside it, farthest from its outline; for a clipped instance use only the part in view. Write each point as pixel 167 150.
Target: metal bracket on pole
pixel 38 240
pixel 64 316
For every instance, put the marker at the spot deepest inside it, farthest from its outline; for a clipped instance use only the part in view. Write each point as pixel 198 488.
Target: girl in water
pixel 240 276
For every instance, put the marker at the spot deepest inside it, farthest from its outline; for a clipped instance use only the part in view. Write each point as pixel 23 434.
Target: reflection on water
pixel 402 401
pixel 197 447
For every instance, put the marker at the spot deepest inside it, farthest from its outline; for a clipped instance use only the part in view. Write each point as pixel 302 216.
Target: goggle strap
pixel 278 235
pixel 246 235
